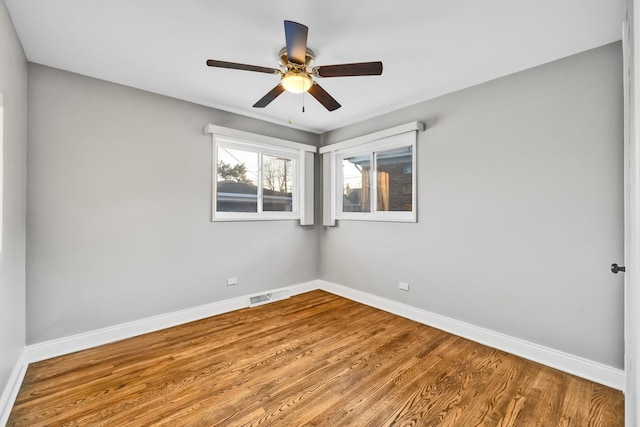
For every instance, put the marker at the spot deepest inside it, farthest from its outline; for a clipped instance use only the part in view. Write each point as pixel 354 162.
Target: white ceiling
pixel 428 47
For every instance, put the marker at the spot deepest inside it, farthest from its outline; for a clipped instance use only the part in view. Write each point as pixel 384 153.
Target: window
pixel 377 183
pixel 372 178
pixel 251 180
pixel 255 180
pixel 356 176
pixel 395 180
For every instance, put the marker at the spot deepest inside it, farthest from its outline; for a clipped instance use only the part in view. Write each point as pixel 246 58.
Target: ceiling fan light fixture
pixel 297 82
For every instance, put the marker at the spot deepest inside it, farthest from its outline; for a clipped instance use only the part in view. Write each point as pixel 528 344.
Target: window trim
pixel 388 139
pixel 302 164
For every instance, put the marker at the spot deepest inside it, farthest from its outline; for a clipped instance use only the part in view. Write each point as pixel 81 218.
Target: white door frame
pixel 631 43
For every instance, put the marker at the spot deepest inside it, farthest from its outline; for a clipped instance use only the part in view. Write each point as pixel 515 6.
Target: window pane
pixel 356 189
pixel 394 184
pixel 237 176
pixel 277 184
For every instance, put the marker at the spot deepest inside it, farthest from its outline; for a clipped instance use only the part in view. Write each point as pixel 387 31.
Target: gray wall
pixel 118 217
pixel 520 195
pixel 13 87
pixel 520 209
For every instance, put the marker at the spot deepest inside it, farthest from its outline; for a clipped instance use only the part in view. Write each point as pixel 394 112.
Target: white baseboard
pixel 569 363
pixel 575 365
pixel 85 340
pixel 12 388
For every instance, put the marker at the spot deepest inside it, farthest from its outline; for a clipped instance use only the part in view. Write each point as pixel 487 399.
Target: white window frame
pixel 301 156
pixel 261 151
pixel 333 156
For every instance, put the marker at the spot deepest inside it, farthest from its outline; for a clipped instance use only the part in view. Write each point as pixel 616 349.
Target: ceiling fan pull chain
pixel 303 101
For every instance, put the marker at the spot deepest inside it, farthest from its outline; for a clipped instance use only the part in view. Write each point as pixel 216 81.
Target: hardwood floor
pixel 315 359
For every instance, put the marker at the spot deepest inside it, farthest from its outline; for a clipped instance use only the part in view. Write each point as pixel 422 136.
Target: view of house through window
pixel 393 185
pixel 356 173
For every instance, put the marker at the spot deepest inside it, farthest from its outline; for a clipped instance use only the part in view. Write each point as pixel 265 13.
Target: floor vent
pixel 267 298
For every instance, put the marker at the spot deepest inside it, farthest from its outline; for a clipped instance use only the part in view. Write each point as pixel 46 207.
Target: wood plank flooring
pixel 315 359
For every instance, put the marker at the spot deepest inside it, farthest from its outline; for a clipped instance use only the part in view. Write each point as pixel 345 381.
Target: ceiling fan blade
pixel 345 70
pixel 323 97
pixel 296 36
pixel 270 96
pixel 236 66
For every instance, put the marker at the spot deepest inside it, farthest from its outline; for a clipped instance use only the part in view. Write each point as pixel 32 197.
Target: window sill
pixel 226 217
pixel 379 217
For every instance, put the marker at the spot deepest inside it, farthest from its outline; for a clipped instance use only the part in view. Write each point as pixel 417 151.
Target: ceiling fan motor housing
pixel 309 57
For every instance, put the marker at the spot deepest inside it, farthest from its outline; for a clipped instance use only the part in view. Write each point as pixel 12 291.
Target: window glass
pixel 372 177
pixel 394 180
pixel 277 184
pixel 237 190
pixel 356 187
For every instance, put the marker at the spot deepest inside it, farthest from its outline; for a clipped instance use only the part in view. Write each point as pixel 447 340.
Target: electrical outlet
pixel 232 281
pixel 403 286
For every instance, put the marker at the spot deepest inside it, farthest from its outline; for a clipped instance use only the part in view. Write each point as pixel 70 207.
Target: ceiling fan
pixel 297 70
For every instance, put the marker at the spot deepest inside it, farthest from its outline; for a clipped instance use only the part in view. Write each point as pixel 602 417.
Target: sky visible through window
pixel 235 157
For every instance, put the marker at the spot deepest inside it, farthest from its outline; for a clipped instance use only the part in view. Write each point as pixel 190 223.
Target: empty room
pixel 319 213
